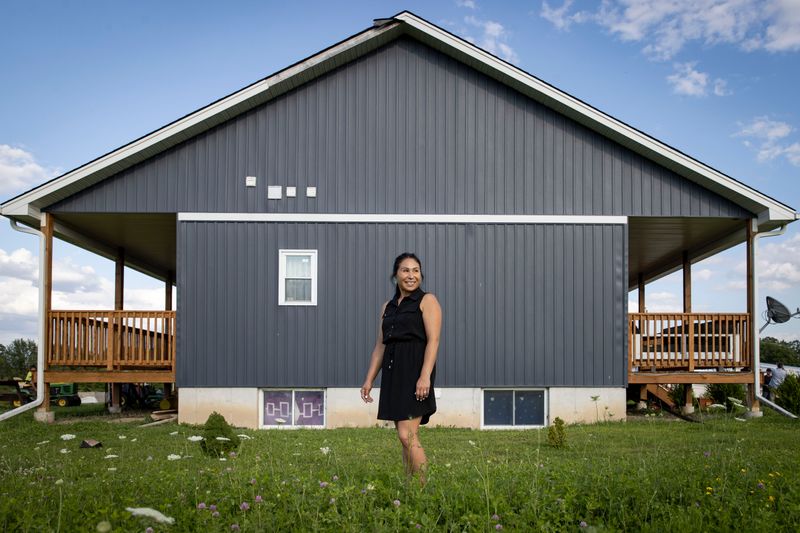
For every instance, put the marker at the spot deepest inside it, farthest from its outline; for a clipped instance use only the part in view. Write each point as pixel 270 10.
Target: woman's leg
pixel 414 458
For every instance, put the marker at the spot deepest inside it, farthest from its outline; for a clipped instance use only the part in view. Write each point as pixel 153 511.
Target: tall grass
pixel 650 475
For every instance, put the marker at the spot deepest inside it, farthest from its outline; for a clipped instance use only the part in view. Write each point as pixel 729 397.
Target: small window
pixel 293 408
pixel 297 270
pixel 513 408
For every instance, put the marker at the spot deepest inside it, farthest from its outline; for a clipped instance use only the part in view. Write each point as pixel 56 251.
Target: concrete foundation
pixel 41 415
pixel 456 407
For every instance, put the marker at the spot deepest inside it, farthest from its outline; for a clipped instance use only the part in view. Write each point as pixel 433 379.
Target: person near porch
pixel 405 352
pixel 778 375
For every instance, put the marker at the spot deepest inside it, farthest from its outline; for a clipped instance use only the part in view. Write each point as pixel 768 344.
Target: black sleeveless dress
pixel 404 339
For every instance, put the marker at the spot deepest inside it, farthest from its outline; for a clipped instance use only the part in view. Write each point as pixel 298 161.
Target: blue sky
pixel 716 79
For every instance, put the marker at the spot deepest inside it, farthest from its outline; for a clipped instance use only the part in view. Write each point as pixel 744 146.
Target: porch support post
pixel 687 283
pixel 43 413
pixel 641 293
pixel 688 397
pixel 752 399
pixel 688 324
pixel 116 328
pixel 168 290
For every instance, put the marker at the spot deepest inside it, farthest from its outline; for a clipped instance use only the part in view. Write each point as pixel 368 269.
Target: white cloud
pixel 20 263
pixel 493 39
pixel 19 170
pixel 664 27
pixel 688 81
pixel 721 87
pixel 470 4
pixel 558 17
pixel 703 274
pixel 769 138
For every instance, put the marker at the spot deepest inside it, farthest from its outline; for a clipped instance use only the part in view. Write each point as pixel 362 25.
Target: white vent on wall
pixel 250 181
pixel 274 192
pixel 311 192
pixel 291 192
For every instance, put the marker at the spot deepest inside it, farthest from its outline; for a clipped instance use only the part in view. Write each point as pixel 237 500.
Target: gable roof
pixel 26 206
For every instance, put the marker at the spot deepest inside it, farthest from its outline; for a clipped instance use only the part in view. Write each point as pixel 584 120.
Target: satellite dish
pixel 777 313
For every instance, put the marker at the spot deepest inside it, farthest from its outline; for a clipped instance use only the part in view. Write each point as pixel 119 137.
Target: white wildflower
pixel 195 438
pixel 64 450
pixel 134 440
pixel 151 513
pixel 740 419
pixel 222 459
pixel 370 486
pixel 122 437
pixel 67 436
pixel 59 481
pixel 174 433
pixel 223 438
pixel 43 442
pixel 245 437
pixel 149 458
pixel 112 469
pixel 472 443
pixel 111 456
pixel 325 450
pixel 173 457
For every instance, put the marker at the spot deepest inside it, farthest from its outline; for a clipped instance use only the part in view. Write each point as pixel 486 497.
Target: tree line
pixel 777 351
pixel 16 358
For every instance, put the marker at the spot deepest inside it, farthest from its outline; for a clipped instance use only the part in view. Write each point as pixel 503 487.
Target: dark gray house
pixel 277 211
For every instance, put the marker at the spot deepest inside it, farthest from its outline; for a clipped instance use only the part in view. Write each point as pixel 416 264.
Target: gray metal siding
pixel 404 129
pixel 524 305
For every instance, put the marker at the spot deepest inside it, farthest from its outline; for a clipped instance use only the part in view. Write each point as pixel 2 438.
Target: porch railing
pixel 688 341
pixel 111 339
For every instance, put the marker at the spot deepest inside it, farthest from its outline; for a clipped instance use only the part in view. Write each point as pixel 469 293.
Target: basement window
pixel 297 273
pixel 293 408
pixel 513 408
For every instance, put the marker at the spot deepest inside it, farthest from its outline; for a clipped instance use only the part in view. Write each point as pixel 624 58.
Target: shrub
pixel 722 393
pixel 556 436
pixel 678 394
pixel 788 395
pixel 218 437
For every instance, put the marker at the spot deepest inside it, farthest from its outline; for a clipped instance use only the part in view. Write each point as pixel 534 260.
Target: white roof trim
pixel 767 209
pixel 400 218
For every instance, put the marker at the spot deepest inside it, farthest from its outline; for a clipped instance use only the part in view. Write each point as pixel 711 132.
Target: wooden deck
pixel 110 346
pixel 689 348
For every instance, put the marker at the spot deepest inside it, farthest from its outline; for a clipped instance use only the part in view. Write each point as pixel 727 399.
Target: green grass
pixel 648 475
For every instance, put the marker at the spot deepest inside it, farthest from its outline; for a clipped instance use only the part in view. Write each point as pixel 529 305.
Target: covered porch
pixel 117 345
pixel 688 347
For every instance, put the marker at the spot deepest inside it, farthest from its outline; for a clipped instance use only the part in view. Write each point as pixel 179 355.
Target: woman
pixel 405 351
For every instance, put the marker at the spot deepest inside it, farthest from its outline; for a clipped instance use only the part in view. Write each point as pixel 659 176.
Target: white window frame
pixel 514 406
pixel 282 256
pixel 262 425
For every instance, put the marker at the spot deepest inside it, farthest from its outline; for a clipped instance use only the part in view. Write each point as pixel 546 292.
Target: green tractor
pixel 64 394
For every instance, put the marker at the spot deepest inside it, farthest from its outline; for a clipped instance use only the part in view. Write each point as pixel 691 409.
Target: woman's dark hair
pixel 399 259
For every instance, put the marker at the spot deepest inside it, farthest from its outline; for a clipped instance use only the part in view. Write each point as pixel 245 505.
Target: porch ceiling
pixel 656 244
pixel 149 240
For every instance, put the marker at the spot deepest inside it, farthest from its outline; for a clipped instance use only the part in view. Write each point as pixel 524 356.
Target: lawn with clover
pixel 648 474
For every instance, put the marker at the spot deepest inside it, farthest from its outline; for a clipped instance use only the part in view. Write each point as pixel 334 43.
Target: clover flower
pixel 583 524
pixel 244 506
pixel 201 505
pixel 215 514
pixel 325 450
pixel 499 527
pixel 234 527
pixel 173 457
pixel 335 478
pixel 333 500
pixel 259 499
pixel 495 517
pixel 212 507
pixel 323 484
pixel 67 436
pixel 396 503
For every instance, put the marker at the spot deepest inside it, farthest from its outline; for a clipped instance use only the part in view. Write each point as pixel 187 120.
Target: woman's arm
pixel 375 361
pixel 432 318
